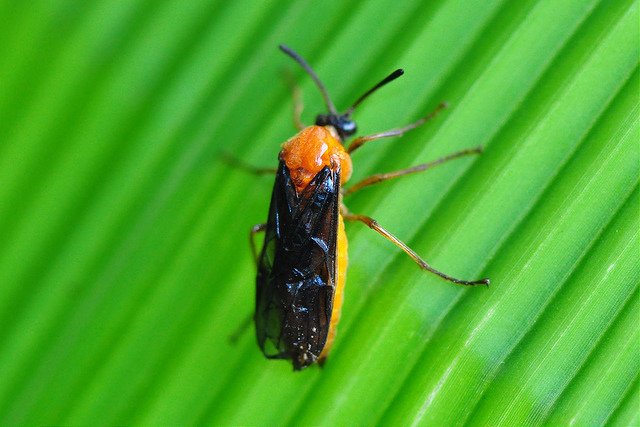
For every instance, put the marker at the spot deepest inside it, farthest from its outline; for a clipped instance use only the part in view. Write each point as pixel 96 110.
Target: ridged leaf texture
pixel 124 258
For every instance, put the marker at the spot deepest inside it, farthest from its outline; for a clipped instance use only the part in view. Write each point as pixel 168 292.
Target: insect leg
pixel 246 322
pixel 252 241
pixel 242 327
pixel 296 96
pixel 371 223
pixel 375 179
pixel 360 141
pixel 232 160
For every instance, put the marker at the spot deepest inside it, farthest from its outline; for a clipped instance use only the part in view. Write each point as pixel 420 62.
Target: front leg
pixel 232 160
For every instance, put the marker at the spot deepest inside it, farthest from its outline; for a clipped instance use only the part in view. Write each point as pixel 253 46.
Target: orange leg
pixel 371 223
pixel 360 141
pixel 381 177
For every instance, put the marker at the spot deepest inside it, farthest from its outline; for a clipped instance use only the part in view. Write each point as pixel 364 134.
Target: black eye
pixel 349 126
pixel 322 120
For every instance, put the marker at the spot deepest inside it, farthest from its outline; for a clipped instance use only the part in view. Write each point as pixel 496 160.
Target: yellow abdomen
pixel 342 260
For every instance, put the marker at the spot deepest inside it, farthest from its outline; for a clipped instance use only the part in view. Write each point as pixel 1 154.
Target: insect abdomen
pixel 342 260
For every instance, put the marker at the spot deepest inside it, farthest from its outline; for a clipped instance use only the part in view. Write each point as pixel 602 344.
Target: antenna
pixel 308 69
pixel 391 77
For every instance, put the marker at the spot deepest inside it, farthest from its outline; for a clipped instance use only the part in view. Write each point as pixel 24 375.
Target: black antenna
pixel 308 69
pixel 391 77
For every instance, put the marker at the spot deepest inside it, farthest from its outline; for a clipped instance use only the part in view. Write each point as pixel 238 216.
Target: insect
pixel 303 262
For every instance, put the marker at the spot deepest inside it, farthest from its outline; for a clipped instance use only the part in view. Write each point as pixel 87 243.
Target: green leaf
pixel 124 263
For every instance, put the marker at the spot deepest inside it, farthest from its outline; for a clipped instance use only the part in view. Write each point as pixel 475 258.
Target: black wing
pixel 296 269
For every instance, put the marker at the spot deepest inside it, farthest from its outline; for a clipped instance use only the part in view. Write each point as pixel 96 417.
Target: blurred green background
pixel 124 261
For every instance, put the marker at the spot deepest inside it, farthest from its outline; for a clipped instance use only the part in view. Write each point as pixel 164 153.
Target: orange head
pixel 310 150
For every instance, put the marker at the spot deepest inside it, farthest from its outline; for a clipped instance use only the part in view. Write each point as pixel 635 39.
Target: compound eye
pixel 322 120
pixel 348 127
